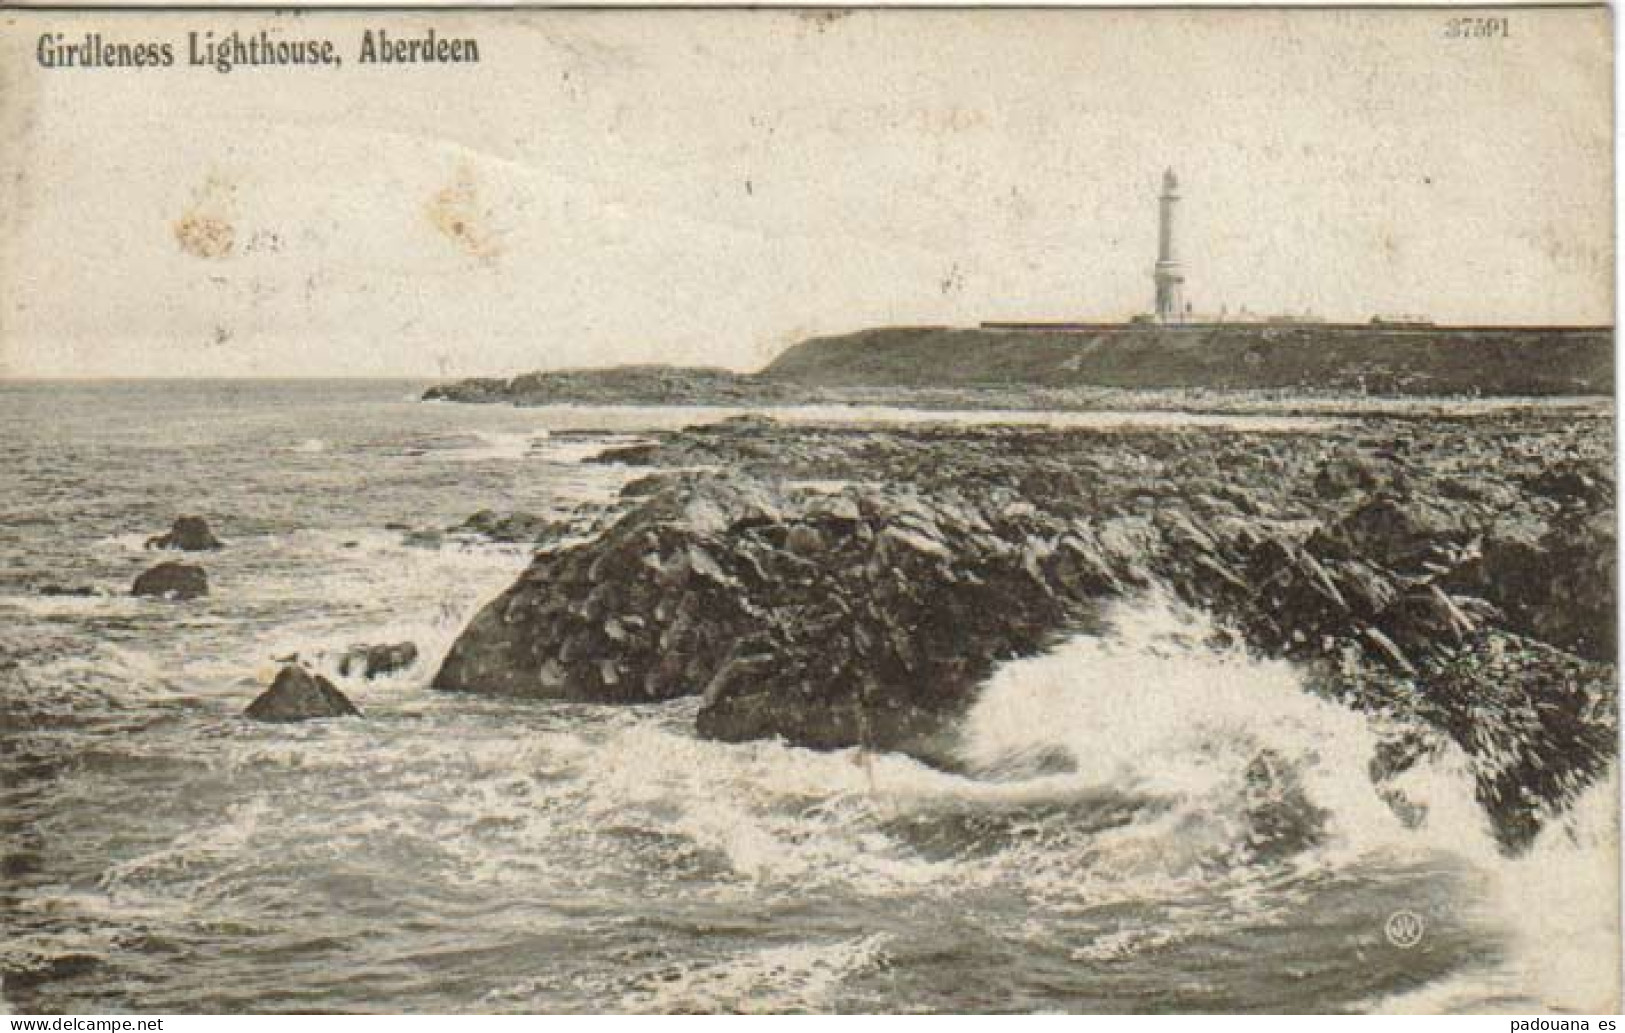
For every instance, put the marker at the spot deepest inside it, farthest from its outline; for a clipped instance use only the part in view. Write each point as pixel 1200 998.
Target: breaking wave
pixel 1155 709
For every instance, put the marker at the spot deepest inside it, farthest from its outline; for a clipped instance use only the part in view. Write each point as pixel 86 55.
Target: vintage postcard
pixel 828 510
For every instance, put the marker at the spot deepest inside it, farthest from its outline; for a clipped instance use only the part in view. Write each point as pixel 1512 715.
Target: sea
pixel 159 853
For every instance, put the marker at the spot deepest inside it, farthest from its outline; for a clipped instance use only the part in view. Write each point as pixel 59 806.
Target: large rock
pixel 901 622
pixel 187 534
pixel 375 661
pixel 300 695
pixel 644 612
pixel 872 612
pixel 867 617
pixel 172 581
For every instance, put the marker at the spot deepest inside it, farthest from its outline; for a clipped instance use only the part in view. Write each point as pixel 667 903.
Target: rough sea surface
pixel 159 853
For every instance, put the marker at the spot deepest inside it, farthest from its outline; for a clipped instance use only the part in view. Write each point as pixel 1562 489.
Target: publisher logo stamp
pixel 1404 929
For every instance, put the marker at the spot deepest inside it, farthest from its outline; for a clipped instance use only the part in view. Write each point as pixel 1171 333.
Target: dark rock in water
pixel 1281 818
pixel 744 421
pixel 300 695
pixel 507 527
pixel 172 581
pixel 428 538
pixel 641 487
pixel 187 534
pixel 368 661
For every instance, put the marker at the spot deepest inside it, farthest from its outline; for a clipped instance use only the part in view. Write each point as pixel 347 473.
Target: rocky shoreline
pixel 843 586
pixel 675 387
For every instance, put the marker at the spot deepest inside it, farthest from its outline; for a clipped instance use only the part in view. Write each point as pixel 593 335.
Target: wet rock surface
pixel 300 695
pixel 844 586
pixel 172 580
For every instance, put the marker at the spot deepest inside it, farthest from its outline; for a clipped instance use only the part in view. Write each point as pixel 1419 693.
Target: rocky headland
pixel 1316 358
pixel 844 586
pixel 1221 367
pixel 620 385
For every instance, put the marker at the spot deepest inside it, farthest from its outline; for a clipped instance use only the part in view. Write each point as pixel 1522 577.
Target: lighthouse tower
pixel 1170 275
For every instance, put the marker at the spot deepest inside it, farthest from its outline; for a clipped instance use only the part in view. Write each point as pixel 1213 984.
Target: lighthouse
pixel 1170 276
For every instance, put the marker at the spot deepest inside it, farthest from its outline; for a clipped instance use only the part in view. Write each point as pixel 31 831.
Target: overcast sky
pixel 711 187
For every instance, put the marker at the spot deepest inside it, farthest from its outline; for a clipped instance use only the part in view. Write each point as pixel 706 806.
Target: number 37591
pixel 1478 28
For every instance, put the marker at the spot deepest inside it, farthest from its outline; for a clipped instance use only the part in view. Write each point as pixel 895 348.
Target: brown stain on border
pixel 206 230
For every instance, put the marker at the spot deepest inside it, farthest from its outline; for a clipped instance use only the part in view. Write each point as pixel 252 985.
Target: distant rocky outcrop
pixel 187 534
pixel 870 615
pixel 375 661
pixel 300 695
pixel 473 389
pixel 172 580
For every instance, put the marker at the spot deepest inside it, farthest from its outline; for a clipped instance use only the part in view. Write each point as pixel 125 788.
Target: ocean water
pixel 448 853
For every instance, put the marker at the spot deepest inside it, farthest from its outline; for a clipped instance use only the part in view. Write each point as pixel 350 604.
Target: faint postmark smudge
pixel 1405 928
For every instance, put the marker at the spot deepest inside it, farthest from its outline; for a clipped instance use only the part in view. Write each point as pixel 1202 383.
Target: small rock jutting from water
pixel 172 581
pixel 300 695
pixel 69 591
pixel 187 534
